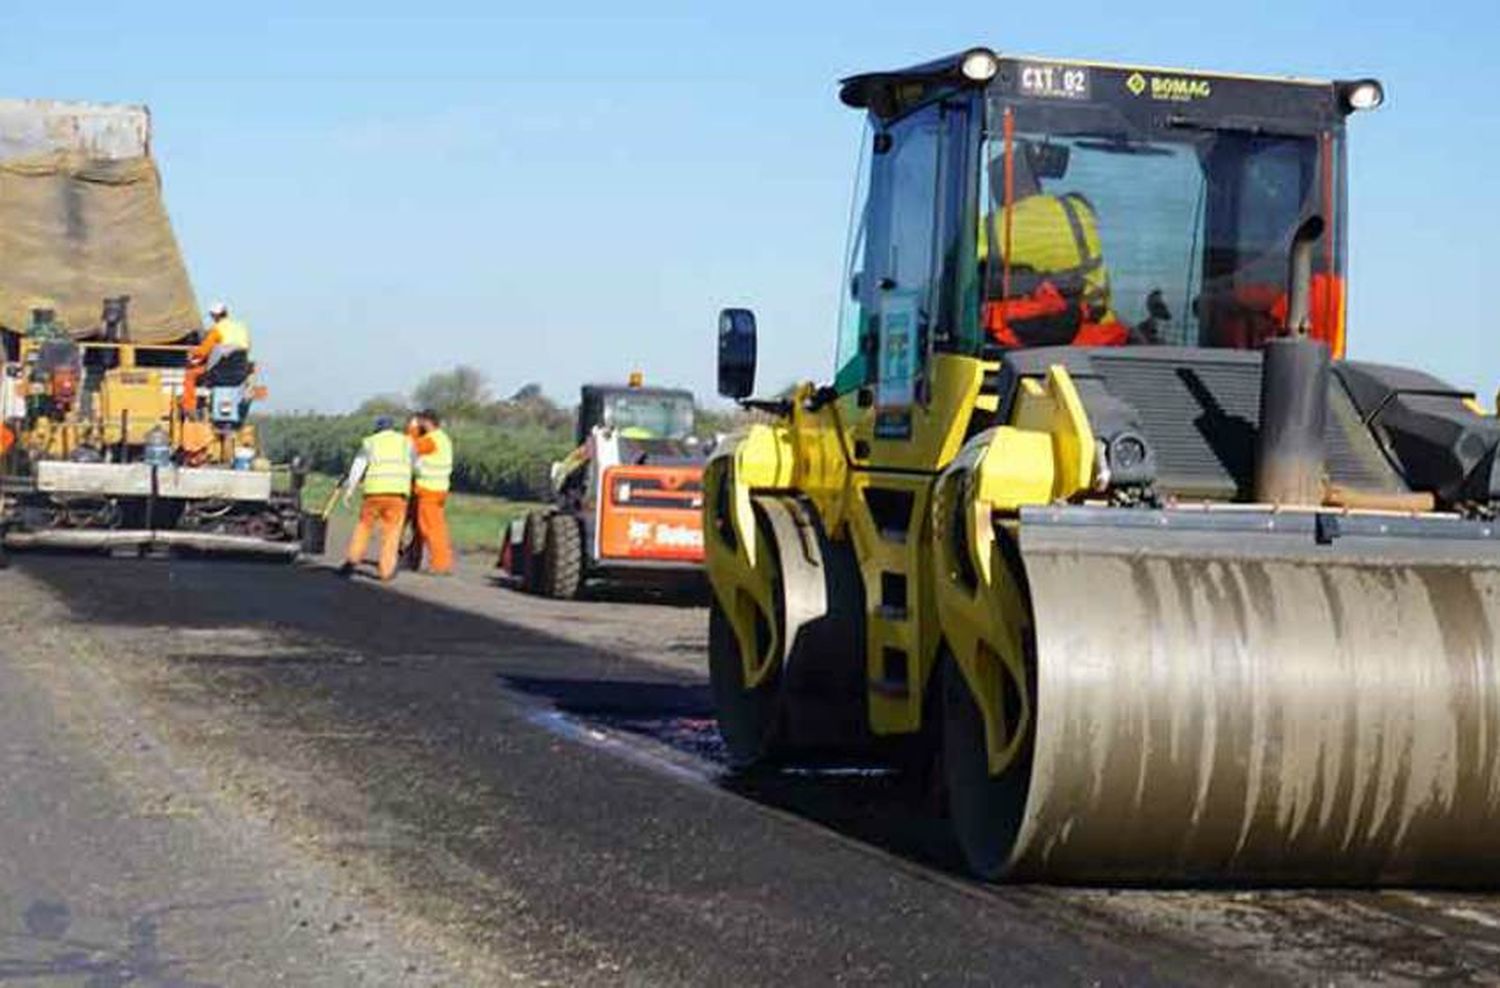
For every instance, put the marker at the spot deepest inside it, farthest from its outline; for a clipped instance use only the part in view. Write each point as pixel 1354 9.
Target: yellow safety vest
pixel 233 333
pixel 387 463
pixel 1053 238
pixel 435 469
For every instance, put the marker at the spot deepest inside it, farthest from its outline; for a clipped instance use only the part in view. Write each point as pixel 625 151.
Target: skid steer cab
pixel 627 502
pixel 1092 522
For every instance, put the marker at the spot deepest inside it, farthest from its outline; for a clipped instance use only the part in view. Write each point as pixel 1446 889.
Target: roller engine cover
pixel 1437 442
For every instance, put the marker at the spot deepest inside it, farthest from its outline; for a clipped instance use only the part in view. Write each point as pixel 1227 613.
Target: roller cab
pixel 1095 520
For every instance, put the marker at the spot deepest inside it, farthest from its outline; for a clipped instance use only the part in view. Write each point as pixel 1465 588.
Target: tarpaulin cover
pixel 82 219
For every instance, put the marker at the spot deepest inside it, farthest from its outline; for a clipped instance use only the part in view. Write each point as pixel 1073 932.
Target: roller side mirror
pixel 736 353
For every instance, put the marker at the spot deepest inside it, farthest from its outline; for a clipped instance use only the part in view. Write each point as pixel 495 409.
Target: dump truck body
pixel 628 500
pixel 1095 521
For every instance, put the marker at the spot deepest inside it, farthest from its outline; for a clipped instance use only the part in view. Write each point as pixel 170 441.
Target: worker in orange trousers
pixel 432 477
pixel 383 471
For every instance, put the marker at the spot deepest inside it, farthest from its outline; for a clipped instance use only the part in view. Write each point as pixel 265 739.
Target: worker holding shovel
pixel 383 470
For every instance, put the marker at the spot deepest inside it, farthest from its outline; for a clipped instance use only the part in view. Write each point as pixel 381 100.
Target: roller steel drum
pixel 1262 697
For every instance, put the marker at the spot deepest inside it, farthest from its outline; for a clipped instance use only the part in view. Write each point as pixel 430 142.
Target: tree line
pixel 503 446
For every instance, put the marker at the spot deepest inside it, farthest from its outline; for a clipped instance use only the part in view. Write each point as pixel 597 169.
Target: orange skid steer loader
pixel 627 502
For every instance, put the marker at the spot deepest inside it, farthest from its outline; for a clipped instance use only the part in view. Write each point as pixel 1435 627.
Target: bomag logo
pixel 1170 88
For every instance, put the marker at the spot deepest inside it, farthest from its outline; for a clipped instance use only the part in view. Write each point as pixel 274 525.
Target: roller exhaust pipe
pixel 1289 455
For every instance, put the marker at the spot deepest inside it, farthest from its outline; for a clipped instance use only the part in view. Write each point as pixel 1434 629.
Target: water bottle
pixel 158 449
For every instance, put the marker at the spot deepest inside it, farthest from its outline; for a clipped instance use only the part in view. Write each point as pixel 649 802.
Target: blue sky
pixel 564 192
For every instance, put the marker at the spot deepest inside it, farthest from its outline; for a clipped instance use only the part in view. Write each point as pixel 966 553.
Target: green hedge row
pixel 509 462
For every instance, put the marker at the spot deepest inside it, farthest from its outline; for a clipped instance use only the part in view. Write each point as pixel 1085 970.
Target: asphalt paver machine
pixel 97 325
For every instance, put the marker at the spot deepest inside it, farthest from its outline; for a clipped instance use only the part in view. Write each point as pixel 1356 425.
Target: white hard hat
pixel 218 309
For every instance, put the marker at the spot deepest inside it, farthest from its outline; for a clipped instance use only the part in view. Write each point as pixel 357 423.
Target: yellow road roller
pixel 1093 516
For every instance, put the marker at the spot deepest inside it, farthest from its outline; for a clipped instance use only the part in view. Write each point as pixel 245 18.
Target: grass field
pixel 474 520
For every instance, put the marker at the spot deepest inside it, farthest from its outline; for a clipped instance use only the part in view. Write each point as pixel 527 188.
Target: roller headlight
pixel 1131 462
pixel 1361 94
pixel 979 65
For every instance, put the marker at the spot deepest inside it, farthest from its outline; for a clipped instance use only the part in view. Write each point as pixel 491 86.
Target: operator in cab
pixel 1046 283
pixel 227 339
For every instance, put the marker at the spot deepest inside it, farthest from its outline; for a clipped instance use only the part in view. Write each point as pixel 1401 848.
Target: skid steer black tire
pixel 533 553
pixel 563 568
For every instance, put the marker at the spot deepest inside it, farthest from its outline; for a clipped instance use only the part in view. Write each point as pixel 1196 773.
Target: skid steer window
pixel 650 416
